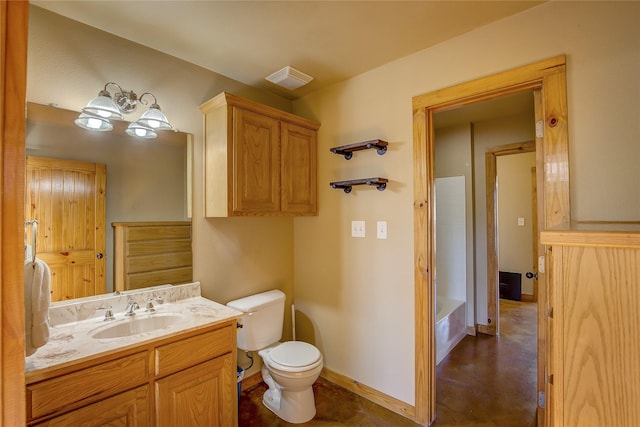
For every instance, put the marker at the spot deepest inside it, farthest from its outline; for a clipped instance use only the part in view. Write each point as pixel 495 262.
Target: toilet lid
pixel 295 354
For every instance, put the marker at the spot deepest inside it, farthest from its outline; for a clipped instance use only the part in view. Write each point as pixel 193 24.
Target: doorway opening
pixel 464 139
pixel 547 79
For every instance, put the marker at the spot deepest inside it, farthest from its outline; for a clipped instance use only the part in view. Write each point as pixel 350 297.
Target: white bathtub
pixel 451 325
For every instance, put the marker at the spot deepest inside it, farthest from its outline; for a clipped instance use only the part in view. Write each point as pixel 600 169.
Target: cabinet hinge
pixel 541 399
pixel 541 264
pixel 550 312
pixel 550 379
pixel 539 129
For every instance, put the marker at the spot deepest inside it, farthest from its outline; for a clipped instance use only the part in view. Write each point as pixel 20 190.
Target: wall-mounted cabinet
pixel 258 160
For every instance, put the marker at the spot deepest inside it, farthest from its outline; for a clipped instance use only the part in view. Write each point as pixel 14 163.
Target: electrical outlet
pixel 357 229
pixel 381 229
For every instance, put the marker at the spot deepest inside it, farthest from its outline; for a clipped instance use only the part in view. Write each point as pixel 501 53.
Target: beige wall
pixel 489 134
pixel 359 292
pixel 68 63
pixel 356 295
pixel 515 252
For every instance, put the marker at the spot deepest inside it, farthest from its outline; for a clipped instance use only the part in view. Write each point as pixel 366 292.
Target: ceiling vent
pixel 289 78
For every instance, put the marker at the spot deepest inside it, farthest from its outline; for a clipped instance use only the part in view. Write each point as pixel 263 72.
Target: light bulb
pixel 94 123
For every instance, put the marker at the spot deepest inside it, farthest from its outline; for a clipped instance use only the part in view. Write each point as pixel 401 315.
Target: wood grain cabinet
pixel 593 356
pixel 151 253
pixel 188 379
pixel 258 160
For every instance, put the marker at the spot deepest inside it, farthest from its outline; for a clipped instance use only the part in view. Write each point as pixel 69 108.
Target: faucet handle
pixel 132 306
pixel 150 308
pixel 108 313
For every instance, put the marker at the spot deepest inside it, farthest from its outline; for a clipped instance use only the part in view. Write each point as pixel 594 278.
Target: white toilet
pixel 289 368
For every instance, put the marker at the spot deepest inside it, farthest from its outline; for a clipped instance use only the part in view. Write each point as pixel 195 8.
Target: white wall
pixel 454 157
pixel 358 293
pixel 451 238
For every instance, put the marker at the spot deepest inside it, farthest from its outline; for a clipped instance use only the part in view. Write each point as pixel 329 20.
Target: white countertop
pixel 71 342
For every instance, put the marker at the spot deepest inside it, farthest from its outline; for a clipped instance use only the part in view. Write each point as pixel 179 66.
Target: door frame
pixel 491 175
pixel 13 81
pixel 547 78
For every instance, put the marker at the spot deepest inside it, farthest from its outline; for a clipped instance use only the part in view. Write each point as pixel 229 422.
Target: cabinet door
pixel 299 170
pixel 205 395
pixel 256 162
pixel 128 409
pixel 597 378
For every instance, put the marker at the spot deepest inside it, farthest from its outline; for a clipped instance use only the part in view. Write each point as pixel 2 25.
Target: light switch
pixel 357 229
pixel 520 222
pixel 381 229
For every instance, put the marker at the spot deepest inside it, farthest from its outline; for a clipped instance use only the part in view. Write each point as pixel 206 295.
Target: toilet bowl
pixel 290 369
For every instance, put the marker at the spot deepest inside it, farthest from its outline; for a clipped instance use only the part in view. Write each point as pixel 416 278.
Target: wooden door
pixel 128 409
pixel 68 199
pixel 299 170
pixel 256 162
pixel 204 395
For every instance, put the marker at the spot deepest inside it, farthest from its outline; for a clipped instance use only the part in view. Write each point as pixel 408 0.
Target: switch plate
pixel 381 229
pixel 357 229
pixel 520 222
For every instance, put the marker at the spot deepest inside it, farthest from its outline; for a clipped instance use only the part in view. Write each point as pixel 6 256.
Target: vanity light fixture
pixel 99 111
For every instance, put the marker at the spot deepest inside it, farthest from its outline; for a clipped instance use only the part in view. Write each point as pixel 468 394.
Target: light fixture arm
pixel 155 100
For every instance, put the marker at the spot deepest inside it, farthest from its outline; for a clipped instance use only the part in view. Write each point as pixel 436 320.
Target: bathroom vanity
pixel 180 370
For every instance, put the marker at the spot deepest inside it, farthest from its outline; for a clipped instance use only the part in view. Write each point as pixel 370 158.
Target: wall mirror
pixel 147 180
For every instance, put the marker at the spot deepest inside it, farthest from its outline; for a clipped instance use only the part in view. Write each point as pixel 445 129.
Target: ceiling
pixel 248 40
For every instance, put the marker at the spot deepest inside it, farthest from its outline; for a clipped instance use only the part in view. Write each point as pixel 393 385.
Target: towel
pixel 37 277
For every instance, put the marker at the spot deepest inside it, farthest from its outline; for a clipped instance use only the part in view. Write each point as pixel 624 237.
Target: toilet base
pixel 292 405
pixel 295 406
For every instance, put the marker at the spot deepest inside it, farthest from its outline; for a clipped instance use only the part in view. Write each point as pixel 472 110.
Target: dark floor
pixel 485 381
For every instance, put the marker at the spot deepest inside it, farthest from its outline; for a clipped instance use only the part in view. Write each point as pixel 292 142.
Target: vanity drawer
pixel 86 385
pixel 189 352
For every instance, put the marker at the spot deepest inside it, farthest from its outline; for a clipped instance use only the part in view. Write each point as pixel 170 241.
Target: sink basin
pixel 135 325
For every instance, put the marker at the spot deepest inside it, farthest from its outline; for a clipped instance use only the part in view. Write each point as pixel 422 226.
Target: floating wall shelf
pixel 347 150
pixel 380 183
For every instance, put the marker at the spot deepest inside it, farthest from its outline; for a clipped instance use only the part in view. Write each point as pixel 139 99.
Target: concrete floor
pixel 485 381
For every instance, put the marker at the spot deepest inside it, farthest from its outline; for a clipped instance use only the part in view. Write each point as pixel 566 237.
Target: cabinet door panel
pixel 600 373
pixel 204 395
pixel 256 160
pixel 299 170
pixel 128 409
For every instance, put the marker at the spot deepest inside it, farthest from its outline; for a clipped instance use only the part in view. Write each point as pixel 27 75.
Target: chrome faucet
pixel 132 306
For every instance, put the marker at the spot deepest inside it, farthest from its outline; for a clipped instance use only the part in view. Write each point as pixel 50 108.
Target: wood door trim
pixel 13 78
pixel 491 175
pixel 549 77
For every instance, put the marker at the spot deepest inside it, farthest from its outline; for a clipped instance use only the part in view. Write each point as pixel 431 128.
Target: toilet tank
pixel 262 319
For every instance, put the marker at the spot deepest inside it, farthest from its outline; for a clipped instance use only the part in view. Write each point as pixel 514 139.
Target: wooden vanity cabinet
pixel 593 325
pixel 258 160
pixel 128 409
pixel 187 379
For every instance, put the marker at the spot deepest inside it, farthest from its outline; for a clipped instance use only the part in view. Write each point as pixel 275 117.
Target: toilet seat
pixel 294 356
